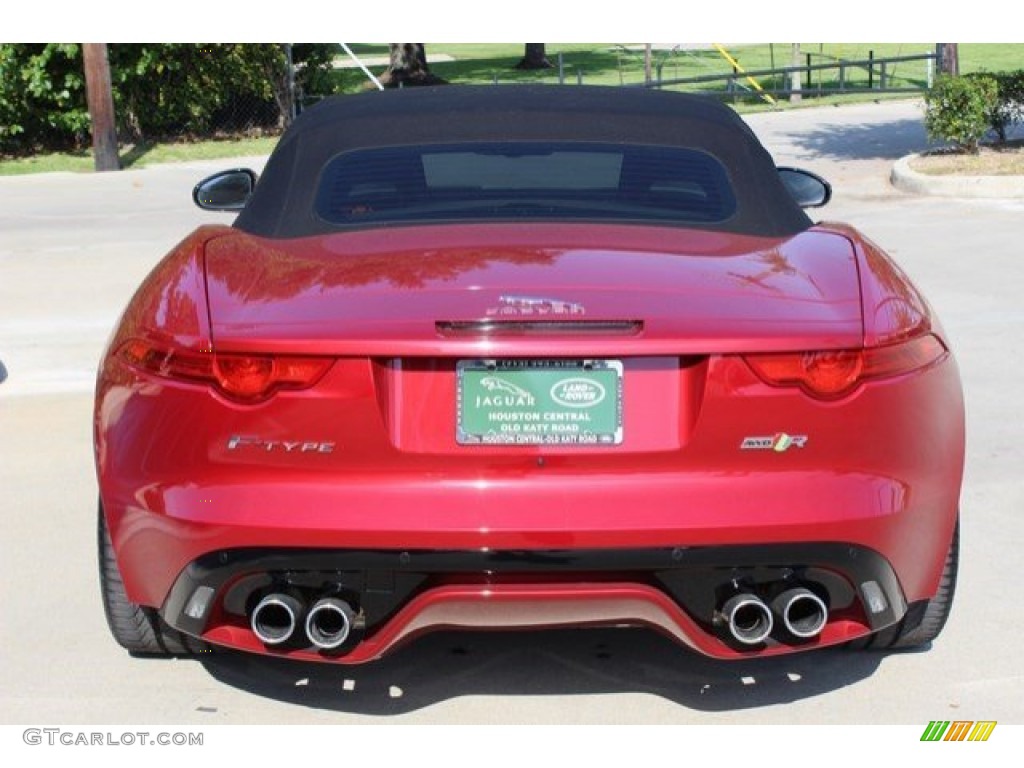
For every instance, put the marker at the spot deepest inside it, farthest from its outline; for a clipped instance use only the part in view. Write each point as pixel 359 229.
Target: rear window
pixel 531 180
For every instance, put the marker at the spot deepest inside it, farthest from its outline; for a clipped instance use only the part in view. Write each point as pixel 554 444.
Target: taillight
pixel 831 374
pixel 246 378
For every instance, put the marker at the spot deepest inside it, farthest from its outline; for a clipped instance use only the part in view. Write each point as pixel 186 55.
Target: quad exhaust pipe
pixel 278 616
pixel 275 617
pixel 748 617
pixel 800 614
pixel 328 623
pixel 803 613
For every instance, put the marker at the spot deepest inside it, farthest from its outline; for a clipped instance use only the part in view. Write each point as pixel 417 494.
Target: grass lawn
pixel 991 160
pixel 592 64
pixel 139 156
pixel 623 63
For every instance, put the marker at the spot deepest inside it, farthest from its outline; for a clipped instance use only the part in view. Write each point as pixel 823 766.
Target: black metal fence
pixel 834 76
pixel 839 76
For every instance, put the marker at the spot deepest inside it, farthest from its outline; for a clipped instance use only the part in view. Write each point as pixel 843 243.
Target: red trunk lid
pixel 385 291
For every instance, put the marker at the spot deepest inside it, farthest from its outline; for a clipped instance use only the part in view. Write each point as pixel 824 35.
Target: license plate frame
pixel 542 402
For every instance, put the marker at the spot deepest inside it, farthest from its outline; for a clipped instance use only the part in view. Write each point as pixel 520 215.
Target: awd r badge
pixel 779 442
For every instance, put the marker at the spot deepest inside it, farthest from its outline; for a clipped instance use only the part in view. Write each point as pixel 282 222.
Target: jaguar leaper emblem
pixel 534 306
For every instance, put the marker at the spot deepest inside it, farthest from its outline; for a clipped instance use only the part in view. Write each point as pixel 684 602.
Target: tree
pixel 534 57
pixel 408 66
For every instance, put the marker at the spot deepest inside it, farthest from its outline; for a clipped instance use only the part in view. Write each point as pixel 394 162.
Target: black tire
pixel 923 621
pixel 136 628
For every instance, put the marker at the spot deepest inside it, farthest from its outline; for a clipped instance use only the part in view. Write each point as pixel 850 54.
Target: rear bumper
pixel 878 482
pixel 400 594
pixel 162 530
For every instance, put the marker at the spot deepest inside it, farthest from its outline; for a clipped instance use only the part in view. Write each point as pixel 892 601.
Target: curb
pixel 904 178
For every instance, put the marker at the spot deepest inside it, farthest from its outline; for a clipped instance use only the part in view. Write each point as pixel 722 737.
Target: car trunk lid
pixel 613 289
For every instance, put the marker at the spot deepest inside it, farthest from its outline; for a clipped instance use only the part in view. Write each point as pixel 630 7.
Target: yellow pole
pixel 757 86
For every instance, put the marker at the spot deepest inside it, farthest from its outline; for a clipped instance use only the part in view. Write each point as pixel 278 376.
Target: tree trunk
pixel 408 66
pixel 534 57
pixel 279 72
pixel 100 100
pixel 949 58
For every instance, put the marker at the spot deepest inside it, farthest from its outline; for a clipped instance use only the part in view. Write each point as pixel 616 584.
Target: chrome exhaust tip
pixel 274 618
pixel 748 617
pixel 329 622
pixel 803 613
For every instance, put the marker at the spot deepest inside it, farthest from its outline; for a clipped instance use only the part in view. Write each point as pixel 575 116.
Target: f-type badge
pixel 779 442
pixel 236 442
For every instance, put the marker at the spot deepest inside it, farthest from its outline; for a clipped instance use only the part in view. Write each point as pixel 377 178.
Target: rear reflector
pixel 199 602
pixel 874 597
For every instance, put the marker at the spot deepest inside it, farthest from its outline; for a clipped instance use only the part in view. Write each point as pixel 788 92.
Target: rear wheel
pixel 136 628
pixel 923 621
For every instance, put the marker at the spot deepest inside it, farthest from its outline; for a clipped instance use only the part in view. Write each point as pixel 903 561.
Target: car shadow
pixel 867 141
pixel 448 665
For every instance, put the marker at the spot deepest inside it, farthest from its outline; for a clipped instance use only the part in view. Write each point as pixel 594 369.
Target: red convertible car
pixel 518 357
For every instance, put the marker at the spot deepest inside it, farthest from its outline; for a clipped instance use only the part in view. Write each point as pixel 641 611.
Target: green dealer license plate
pixel 539 402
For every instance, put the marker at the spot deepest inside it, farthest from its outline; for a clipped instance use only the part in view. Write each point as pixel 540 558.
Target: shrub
pixel 160 90
pixel 1010 106
pixel 42 96
pixel 958 109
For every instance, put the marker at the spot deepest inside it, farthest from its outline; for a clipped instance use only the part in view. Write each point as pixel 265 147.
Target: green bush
pixel 42 96
pixel 1010 106
pixel 958 109
pixel 160 90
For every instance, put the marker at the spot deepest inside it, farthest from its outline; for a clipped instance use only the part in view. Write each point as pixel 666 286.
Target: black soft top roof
pixel 283 203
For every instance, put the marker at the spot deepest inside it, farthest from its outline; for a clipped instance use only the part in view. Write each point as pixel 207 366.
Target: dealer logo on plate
pixel 577 393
